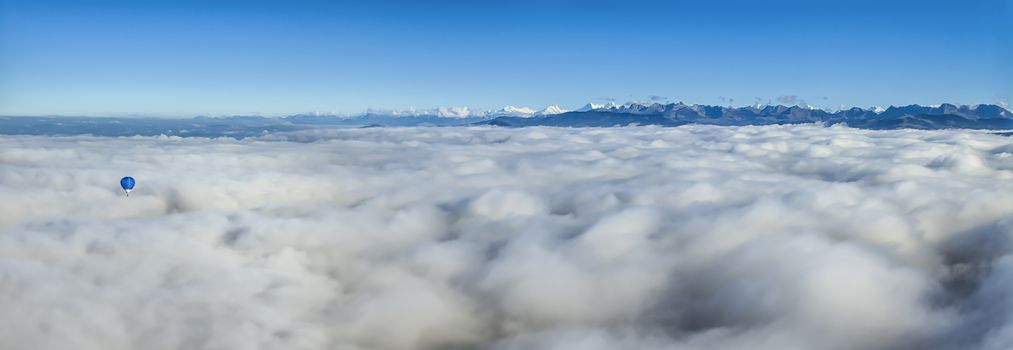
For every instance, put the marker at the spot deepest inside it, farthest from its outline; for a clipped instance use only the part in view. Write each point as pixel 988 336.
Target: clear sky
pixel 185 58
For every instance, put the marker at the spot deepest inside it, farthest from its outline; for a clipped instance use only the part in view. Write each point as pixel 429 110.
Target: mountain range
pixel 945 116
pixel 674 114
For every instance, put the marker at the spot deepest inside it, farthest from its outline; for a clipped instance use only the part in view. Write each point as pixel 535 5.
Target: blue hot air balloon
pixel 128 184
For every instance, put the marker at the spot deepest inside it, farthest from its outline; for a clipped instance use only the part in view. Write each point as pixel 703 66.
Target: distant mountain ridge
pixel 675 114
pixel 944 116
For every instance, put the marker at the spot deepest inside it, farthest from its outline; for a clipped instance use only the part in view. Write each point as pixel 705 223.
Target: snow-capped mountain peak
pixel 590 107
pixel 550 110
pixel 511 110
pixel 593 106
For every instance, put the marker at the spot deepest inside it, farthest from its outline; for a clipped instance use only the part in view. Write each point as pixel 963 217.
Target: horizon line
pixel 479 112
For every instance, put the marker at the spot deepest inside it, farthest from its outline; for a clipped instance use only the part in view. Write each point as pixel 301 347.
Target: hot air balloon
pixel 128 184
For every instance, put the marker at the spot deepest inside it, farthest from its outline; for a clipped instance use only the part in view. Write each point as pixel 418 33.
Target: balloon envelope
pixel 127 183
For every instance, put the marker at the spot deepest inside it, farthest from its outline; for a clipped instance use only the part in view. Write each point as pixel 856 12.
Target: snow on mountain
pixel 550 110
pixel 527 112
pixel 590 107
pixel 516 111
pixel 594 106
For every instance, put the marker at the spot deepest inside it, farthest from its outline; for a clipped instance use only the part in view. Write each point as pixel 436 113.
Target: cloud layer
pixel 696 237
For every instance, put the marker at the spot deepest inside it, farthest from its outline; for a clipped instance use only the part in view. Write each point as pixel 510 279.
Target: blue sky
pixel 185 58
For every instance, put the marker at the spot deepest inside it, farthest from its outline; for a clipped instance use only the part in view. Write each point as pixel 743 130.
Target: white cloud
pixel 454 112
pixel 697 237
